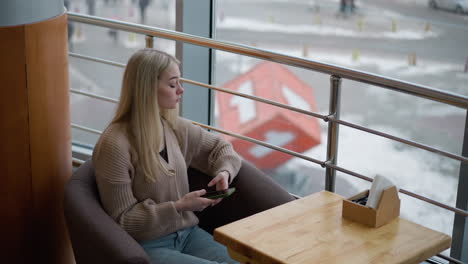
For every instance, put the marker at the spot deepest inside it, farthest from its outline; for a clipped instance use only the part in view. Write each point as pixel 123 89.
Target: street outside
pixel 402 39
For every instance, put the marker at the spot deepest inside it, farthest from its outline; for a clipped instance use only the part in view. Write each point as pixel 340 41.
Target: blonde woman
pixel 141 163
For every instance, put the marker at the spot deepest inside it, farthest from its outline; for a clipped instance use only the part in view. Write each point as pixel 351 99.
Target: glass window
pixel 109 44
pixel 406 40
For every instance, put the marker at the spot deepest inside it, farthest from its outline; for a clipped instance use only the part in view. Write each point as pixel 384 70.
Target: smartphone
pixel 219 194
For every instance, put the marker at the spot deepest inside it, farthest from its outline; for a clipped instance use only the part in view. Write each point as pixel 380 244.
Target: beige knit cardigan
pixel 146 209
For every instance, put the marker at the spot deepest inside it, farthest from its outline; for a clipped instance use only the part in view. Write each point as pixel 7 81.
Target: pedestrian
pixel 343 7
pixel 141 162
pixel 466 64
pixel 143 4
pixel 91 7
pixel 114 33
pixel 352 6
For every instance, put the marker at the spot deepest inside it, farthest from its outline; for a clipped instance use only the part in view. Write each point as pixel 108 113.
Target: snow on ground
pixel 407 168
pixel 395 65
pixel 86 84
pixel 323 30
pixel 410 168
pixel 312 2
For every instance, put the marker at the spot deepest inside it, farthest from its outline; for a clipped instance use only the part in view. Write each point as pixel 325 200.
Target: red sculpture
pixel 291 130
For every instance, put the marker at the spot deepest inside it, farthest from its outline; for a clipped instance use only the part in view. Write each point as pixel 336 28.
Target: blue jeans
pixel 191 245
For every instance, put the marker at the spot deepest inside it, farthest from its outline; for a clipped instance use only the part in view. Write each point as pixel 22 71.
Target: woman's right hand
pixel 193 202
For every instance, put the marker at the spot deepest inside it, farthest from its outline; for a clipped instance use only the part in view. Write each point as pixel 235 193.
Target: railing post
pixel 332 139
pixel 149 41
pixel 459 248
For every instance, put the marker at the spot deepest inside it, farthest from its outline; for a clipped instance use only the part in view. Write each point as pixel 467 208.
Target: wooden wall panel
pixel 15 170
pixel 35 148
pixel 49 119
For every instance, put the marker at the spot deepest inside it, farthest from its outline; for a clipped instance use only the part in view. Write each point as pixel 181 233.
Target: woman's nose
pixel 180 90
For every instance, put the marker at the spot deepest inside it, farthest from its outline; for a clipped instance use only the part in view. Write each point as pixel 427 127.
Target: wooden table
pixel 311 230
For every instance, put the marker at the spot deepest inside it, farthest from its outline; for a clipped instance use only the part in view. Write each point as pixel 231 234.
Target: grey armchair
pixel 97 238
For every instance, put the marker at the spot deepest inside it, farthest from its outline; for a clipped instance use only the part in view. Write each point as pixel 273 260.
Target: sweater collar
pixel 169 146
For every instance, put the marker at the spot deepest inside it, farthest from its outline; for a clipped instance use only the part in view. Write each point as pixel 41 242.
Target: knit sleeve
pixel 207 151
pixel 113 169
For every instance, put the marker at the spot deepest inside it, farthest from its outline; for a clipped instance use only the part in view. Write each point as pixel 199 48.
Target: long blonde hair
pixel 139 111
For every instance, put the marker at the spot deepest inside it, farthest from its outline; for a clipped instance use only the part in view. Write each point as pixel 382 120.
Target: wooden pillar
pixel 35 148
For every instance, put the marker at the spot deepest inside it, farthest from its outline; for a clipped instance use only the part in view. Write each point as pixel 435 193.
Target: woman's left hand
pixel 222 183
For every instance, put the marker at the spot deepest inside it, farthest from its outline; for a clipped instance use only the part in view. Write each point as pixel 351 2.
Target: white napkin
pixel 379 184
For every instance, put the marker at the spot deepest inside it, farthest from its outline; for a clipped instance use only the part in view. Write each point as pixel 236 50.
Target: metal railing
pixel 336 73
pixel 360 76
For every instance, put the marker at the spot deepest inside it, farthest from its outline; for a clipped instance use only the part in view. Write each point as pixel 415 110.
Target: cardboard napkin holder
pixel 388 208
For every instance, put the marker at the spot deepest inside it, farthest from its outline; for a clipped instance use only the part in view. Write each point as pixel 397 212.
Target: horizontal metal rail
pixel 81 56
pixel 290 152
pixel 296 154
pixel 270 102
pixel 77 162
pixel 255 98
pixel 360 76
pixel 96 96
pixel 401 140
pixel 262 143
pixel 331 119
pixel 414 195
pixel 87 129
pixel 326 164
pixel 258 99
pixel 452 260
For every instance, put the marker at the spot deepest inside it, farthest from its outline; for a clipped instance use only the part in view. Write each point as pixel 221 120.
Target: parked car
pixel 459 6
